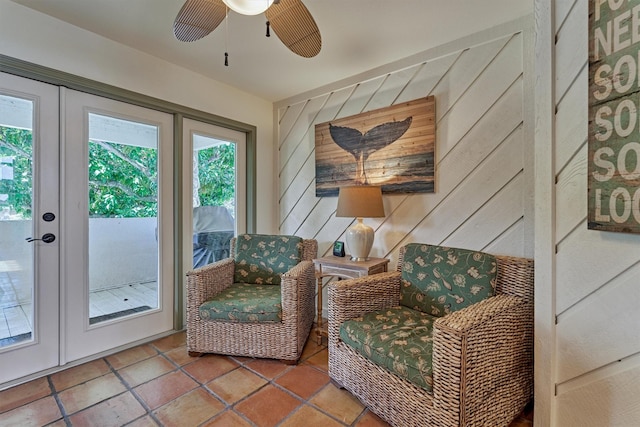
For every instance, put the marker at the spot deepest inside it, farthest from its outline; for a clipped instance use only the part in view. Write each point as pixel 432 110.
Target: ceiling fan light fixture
pixel 248 7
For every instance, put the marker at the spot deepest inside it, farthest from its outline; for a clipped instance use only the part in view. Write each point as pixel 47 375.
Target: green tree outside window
pixel 123 180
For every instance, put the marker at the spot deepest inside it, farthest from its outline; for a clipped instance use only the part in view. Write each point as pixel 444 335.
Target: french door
pixel 117 224
pixel 29 310
pixel 86 234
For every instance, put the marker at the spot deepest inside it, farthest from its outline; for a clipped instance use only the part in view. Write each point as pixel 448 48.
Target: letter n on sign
pixel 614 103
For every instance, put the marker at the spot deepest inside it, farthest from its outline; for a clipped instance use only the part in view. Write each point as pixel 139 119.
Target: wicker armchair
pixel 246 332
pixel 482 356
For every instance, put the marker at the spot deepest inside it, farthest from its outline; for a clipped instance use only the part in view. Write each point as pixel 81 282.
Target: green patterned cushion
pixel 245 302
pixel 439 280
pixel 261 259
pixel 399 339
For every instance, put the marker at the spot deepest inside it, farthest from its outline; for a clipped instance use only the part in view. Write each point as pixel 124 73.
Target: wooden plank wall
pixel 483 196
pixel 597 274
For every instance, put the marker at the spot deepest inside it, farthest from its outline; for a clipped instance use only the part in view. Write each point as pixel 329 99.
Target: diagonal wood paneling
pixel 571 190
pixel 489 85
pixel 571 48
pixel 611 399
pixel 588 343
pixel 571 128
pixel 479 200
pixel 596 273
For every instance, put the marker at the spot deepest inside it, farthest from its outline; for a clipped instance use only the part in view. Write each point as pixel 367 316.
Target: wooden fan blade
pixel 198 18
pixel 295 27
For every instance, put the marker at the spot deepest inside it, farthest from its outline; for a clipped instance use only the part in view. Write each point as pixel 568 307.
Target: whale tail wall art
pixel 391 147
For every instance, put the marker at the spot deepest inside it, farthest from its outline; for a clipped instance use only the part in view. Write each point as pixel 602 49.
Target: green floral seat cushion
pixel 439 280
pixel 399 339
pixel 262 259
pixel 245 302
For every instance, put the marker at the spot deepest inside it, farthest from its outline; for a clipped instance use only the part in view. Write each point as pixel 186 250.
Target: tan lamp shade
pixel 360 201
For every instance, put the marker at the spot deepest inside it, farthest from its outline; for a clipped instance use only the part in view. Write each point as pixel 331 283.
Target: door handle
pixel 47 238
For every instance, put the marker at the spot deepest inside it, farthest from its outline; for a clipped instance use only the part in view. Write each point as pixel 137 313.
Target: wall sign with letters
pixel 614 122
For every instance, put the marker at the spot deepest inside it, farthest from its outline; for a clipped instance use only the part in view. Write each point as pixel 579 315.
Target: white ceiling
pixel 357 36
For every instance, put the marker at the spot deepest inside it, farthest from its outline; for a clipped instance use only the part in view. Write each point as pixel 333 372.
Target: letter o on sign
pixel 626 199
pixel 622 161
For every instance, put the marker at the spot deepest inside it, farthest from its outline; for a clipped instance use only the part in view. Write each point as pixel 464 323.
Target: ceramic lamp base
pixel 359 239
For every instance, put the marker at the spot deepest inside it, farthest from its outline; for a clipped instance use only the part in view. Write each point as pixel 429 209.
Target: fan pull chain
pixel 226 38
pixel 268 23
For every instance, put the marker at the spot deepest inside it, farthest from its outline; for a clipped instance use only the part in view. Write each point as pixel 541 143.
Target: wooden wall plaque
pixel 392 147
pixel 614 102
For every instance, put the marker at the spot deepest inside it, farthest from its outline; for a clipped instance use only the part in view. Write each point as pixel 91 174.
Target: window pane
pixel 214 199
pixel 16 193
pixel 123 217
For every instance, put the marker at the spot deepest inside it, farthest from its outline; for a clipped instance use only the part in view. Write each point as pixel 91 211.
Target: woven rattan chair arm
pixel 298 270
pixel 478 314
pixel 298 281
pixel 309 249
pixel 485 346
pixel 515 276
pixel 205 282
pixel 354 297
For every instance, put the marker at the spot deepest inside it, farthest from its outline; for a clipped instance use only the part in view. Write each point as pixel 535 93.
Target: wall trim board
pixel 544 237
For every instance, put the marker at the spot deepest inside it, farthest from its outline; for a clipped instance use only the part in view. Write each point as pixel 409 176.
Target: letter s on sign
pixel 602 81
pixel 604 164
pixel 603 123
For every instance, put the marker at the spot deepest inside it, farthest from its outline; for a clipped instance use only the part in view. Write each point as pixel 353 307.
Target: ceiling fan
pixel 289 19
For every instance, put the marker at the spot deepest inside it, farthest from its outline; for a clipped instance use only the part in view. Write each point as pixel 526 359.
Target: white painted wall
pixel 588 353
pixel 31 36
pixel 122 251
pixel 484 176
pixel 16 257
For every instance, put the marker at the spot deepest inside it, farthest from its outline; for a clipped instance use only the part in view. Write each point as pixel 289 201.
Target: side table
pixel 343 268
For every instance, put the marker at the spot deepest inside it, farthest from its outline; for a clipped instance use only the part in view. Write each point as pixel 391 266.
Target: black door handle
pixel 47 238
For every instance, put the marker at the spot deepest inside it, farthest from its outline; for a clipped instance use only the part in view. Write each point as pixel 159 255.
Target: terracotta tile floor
pixel 159 384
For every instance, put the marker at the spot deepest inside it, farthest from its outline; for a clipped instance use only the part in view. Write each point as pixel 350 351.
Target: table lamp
pixel 360 201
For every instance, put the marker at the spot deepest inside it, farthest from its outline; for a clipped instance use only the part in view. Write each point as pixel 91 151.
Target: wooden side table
pixel 343 268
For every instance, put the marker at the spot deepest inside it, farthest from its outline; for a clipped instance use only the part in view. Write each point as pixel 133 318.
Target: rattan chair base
pixel 266 340
pixel 482 354
pixel 283 340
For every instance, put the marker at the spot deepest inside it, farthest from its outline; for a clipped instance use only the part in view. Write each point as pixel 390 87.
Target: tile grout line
pixel 55 396
pixel 231 408
pixel 132 391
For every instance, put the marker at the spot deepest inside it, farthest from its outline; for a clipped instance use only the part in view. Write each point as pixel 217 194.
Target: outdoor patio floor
pixel 16 306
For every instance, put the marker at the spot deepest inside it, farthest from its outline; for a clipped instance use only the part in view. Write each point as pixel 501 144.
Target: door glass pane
pixel 16 195
pixel 123 218
pixel 214 198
